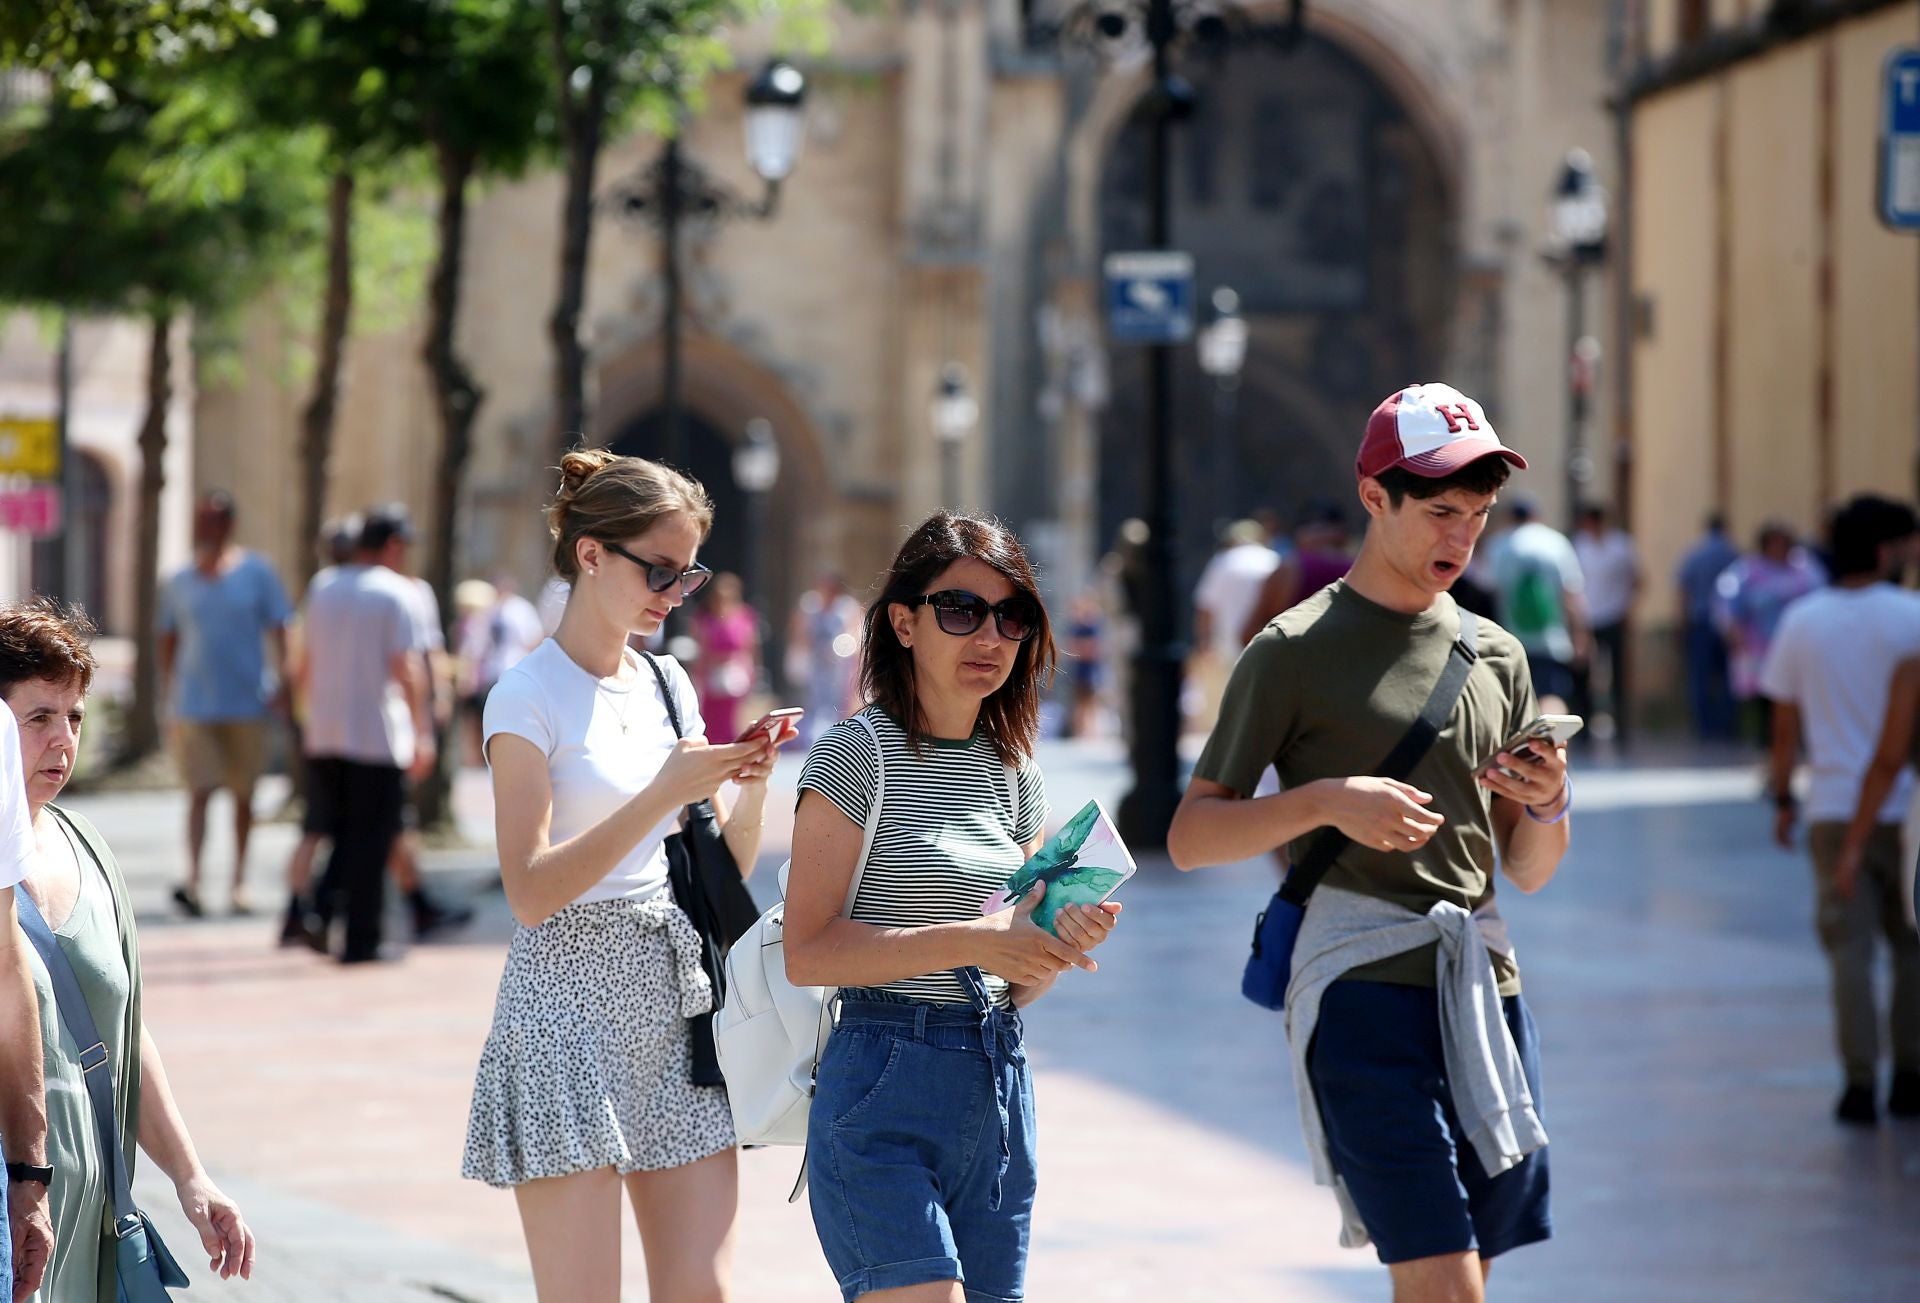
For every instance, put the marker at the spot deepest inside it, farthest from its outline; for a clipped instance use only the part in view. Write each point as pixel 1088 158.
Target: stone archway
pixel 722 389
pixel 1308 184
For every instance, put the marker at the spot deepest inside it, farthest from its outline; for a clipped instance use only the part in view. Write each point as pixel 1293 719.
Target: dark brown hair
pixel 1011 716
pixel 605 496
pixel 42 639
pixel 1482 475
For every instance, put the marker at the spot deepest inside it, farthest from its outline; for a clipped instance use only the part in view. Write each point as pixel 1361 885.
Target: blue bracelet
pixel 1566 808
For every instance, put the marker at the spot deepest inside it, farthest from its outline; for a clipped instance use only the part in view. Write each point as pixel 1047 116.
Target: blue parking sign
pixel 1149 297
pixel 1900 140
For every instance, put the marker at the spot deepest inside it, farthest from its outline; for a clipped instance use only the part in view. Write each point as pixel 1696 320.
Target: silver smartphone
pixel 1551 729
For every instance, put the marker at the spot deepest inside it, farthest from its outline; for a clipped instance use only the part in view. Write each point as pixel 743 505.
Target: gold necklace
pixel 626 703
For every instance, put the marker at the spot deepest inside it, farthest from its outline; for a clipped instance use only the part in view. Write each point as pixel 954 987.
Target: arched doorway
pixel 798 523
pixel 709 459
pixel 1305 184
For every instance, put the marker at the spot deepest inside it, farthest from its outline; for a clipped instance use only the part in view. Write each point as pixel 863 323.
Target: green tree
pixel 323 68
pixel 472 81
pixel 616 61
pixel 152 213
pixel 93 46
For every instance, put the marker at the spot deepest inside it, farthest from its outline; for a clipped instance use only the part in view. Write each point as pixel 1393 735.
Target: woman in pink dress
pixel 728 632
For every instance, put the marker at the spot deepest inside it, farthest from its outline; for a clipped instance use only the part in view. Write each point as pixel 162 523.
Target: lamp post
pixel 1222 346
pixel 675 189
pixel 756 469
pixel 1122 27
pixel 955 413
pixel 1577 243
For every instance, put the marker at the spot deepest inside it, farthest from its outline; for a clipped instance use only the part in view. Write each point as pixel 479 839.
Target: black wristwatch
pixel 28 1172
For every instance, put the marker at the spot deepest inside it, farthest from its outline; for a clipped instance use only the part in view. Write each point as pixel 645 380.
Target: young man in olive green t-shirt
pixel 1323 694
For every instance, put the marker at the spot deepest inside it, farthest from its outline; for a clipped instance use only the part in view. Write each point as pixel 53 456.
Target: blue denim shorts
pixel 1380 1076
pixel 920 1146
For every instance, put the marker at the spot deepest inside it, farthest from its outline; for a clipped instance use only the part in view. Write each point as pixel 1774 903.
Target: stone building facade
pixel 1775 320
pixel 1377 195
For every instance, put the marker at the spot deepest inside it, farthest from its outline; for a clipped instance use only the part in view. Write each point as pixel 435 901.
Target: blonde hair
pixel 609 497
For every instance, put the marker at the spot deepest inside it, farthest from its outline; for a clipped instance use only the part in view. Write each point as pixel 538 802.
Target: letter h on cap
pixel 1455 414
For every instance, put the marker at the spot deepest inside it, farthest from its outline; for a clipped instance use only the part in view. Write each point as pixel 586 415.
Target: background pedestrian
pixel 727 631
pixel 1703 645
pixel 1829 669
pixel 369 728
pixel 1750 597
pixel 1537 580
pixel 218 619
pixel 1610 568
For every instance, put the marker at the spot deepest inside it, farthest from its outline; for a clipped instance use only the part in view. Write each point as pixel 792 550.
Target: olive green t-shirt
pixel 1327 690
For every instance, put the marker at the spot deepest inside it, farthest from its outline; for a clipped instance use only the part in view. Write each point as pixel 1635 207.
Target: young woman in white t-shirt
pixel 584 1085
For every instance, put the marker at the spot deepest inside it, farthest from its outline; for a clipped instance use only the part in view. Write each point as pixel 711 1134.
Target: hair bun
pixel 577 467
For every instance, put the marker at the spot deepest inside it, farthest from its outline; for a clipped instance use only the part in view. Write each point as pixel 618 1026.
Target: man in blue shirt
pixel 1709 697
pixel 217 619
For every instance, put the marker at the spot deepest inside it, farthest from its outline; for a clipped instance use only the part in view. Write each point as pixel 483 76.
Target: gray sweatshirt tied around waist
pixel 1344 930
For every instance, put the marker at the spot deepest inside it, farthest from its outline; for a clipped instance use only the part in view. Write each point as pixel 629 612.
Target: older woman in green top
pixel 45 672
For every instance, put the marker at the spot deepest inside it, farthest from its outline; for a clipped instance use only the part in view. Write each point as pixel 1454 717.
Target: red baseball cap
pixel 1431 430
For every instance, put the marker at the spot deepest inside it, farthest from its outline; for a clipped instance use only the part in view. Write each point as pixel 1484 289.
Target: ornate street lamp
pixel 1576 244
pixel 675 189
pixel 955 413
pixel 756 469
pixel 1124 29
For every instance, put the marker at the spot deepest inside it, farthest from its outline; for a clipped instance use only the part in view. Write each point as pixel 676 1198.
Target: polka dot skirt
pixel 587 1065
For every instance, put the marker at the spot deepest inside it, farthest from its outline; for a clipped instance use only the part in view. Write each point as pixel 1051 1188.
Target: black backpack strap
pixel 666 691
pixel 1303 877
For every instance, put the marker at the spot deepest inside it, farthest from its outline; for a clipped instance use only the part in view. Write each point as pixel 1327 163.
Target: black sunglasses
pixel 959 613
pixel 660 578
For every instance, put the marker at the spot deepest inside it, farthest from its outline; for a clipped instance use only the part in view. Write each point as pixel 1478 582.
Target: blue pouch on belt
pixel 1270 966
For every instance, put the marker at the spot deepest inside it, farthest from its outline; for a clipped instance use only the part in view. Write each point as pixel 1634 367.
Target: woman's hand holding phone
pixel 768 734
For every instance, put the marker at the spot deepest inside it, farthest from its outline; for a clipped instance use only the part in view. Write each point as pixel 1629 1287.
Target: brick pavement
pixel 1681 998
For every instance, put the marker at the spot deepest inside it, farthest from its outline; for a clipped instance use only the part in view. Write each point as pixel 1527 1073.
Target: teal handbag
pixel 143 1267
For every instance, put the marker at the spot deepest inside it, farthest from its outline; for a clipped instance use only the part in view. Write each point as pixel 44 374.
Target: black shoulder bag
pixel 1270 966
pixel 709 890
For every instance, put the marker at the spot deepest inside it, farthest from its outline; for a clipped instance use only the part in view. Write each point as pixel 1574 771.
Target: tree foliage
pixel 95 47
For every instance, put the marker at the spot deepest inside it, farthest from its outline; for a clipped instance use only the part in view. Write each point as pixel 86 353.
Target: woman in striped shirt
pixel 920 1142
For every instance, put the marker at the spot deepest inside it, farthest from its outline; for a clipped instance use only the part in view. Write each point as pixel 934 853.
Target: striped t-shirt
pixel 947 839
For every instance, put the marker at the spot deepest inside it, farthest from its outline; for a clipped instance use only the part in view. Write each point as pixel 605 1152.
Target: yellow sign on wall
pixel 29 446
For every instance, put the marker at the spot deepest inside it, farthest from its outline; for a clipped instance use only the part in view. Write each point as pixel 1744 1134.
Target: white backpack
pixel 769 1033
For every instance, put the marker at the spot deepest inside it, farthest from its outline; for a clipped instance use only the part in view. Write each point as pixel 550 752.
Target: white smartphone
pixel 1551 729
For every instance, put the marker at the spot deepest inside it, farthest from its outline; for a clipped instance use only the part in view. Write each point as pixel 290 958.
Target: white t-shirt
pixel 427 611
pixel 1610 568
pixel 596 767
pixel 17 845
pixel 356 624
pixel 1227 590
pixel 1833 656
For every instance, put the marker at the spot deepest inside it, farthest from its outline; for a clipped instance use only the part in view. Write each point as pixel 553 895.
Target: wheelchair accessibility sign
pixel 1149 297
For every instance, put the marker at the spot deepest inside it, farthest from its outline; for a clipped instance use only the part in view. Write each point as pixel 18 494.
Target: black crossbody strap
pixel 666 690
pixel 1303 877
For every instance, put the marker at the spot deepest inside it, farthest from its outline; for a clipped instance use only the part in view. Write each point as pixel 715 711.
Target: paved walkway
pixel 1671 965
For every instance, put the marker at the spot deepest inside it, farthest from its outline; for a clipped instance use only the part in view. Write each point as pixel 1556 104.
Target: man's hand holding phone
pixel 1531 767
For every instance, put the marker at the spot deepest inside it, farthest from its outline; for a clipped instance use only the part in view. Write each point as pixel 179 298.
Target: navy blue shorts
pixel 1380 1077
pixel 920 1147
